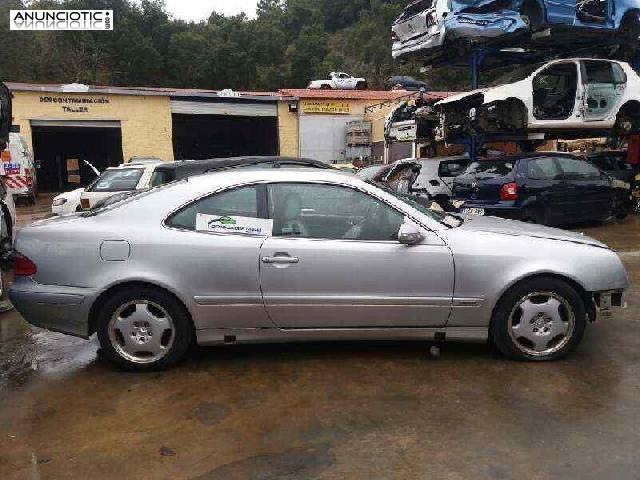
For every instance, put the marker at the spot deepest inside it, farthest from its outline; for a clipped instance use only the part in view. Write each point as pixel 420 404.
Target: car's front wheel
pixel 539 319
pixel 144 328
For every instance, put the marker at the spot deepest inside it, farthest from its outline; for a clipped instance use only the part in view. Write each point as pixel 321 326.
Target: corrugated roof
pixel 283 94
pixel 359 94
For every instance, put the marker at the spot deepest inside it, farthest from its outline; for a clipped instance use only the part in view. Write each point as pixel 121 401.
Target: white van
pixel 19 168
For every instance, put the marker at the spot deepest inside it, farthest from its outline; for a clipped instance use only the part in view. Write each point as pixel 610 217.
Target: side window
pixel 543 169
pixel 240 202
pixel 330 212
pixel 619 77
pixel 573 169
pixel 599 72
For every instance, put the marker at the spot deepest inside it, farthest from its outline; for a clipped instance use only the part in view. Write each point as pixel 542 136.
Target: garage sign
pixel 320 106
pixel 259 227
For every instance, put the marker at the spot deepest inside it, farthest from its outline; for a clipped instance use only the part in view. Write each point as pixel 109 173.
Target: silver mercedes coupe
pixel 303 254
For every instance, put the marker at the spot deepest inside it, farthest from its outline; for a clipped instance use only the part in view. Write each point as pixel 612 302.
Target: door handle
pixel 281 259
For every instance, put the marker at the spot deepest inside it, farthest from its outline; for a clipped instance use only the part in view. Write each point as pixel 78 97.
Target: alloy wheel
pixel 141 332
pixel 541 324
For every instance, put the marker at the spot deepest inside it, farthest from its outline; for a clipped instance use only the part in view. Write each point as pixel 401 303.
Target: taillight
pixel 85 203
pixel 23 266
pixel 394 36
pixel 509 191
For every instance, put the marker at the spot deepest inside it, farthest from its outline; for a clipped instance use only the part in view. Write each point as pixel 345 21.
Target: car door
pixel 334 261
pixel 343 81
pixel 217 241
pixel 556 92
pixel 604 85
pixel 541 183
pixel 589 192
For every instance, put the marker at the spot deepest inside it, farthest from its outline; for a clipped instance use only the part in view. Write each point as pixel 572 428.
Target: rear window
pixel 415 8
pixel 492 168
pixel 122 180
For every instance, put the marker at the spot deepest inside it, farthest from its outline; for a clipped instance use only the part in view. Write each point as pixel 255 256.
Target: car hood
pixel 515 228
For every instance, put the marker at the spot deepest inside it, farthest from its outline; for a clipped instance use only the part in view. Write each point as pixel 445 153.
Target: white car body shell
pixel 338 81
pixel 579 118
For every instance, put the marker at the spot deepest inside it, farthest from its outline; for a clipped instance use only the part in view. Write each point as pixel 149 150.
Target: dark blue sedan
pixel 545 188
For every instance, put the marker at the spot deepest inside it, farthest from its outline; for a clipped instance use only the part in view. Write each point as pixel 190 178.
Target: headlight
pixel 58 202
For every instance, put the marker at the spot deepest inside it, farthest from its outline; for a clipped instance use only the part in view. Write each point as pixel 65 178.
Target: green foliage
pixel 286 45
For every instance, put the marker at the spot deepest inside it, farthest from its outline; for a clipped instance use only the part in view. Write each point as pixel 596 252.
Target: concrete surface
pixel 327 411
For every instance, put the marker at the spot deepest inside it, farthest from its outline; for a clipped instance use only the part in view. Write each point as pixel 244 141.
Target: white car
pixel 563 96
pixel 121 179
pixel 69 202
pixel 339 81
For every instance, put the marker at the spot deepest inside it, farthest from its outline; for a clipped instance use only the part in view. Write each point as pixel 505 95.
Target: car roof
pixel 188 168
pixel 527 156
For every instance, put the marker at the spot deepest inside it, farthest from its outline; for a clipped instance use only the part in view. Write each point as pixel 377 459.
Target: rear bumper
pixel 56 308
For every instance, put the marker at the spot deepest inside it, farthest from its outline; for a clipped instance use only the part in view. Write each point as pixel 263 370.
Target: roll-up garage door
pixel 324 137
pixel 240 109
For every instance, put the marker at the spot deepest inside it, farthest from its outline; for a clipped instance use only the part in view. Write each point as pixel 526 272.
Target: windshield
pixel 120 180
pixel 516 75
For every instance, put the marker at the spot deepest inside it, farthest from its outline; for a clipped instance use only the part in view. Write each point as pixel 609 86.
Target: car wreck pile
pixel 557 96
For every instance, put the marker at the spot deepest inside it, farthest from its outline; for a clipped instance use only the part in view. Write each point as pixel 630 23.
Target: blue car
pixel 430 29
pixel 544 188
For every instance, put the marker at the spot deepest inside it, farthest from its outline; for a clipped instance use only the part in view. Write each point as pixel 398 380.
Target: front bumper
pixel 56 308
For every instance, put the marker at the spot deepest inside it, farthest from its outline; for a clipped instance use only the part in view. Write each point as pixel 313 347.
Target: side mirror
pixel 410 234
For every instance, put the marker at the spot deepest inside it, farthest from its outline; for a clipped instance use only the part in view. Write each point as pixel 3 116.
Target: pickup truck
pixel 339 81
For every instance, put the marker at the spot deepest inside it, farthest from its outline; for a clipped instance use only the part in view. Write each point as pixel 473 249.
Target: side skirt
pixel 274 335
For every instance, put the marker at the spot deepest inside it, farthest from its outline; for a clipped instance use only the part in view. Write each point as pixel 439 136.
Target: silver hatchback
pixel 299 254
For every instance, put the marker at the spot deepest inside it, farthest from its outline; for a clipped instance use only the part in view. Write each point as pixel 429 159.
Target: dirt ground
pixel 327 411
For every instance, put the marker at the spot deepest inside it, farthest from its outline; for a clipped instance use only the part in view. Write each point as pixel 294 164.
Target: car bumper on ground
pixel 61 309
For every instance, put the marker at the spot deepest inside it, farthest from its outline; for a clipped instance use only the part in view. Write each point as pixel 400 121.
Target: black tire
pixel 500 323
pixel 325 87
pixel 630 30
pixel 532 15
pixel 184 333
pixel 361 86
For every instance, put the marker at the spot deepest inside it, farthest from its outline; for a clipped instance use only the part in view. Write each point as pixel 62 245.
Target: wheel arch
pixel 628 16
pixel 630 105
pixel 124 285
pixel 539 4
pixel 580 289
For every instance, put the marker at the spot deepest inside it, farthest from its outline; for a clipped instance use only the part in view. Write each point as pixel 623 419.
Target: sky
pixel 201 9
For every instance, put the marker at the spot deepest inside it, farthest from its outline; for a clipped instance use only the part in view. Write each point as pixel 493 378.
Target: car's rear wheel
pixel 143 328
pixel 325 87
pixel 539 319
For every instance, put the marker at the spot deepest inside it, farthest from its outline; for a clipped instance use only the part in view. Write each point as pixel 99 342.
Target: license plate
pixel 473 211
